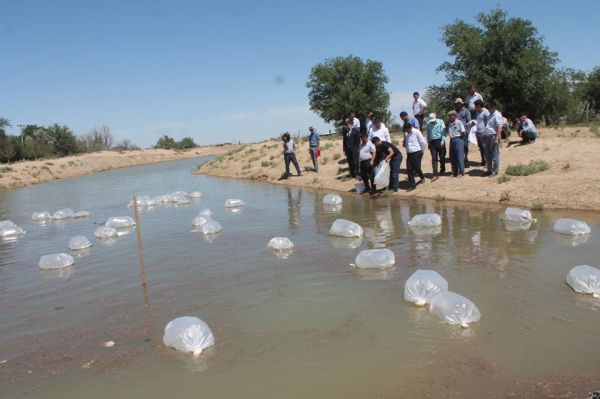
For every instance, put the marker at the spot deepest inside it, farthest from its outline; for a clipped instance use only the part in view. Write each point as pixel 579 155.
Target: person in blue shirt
pixel 313 147
pixel 413 121
pixel 436 140
pixel 526 129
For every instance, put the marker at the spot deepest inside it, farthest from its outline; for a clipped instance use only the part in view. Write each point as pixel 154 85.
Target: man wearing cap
pixel 526 129
pixel 493 134
pixel 457 133
pixel 473 96
pixel 413 121
pixel 313 147
pixel 464 116
pixel 419 107
pixel 436 139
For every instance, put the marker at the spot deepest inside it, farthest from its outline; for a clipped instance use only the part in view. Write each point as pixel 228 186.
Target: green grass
pixel 537 206
pixel 6 169
pixel 336 156
pixel 534 166
pixel 324 160
pixel 439 198
pixel 595 129
pixel 265 164
pixel 503 179
pixel 253 159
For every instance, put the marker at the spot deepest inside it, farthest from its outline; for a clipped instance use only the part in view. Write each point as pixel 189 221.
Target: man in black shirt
pixel 387 152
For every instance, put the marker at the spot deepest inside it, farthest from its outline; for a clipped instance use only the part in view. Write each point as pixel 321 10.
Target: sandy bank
pixel 571 181
pixel 21 174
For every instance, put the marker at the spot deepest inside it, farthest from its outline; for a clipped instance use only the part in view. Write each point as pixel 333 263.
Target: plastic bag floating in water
pixel 199 220
pixel 375 259
pixel 56 261
pixel 585 279
pixel 188 334
pixel 79 242
pixel 423 285
pixel 81 214
pixel 346 228
pixel 181 200
pixel 66 213
pixel 211 227
pixel 517 215
pixel 426 220
pixel 11 232
pixel 180 194
pixel 332 199
pixel 41 216
pixel 280 244
pixel 104 232
pixel 513 225
pixel 206 213
pixel 195 194
pixel 120 222
pixel 571 227
pixel 454 309
pixel 234 203
pixel 6 223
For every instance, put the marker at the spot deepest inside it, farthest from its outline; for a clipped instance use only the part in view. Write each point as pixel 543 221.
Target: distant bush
pixel 503 179
pixel 535 166
pixel 537 206
pixel 336 156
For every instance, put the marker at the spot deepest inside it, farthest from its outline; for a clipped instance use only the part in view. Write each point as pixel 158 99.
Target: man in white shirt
pixel 419 107
pixel 493 134
pixel 355 121
pixel 366 157
pixel 289 154
pixel 457 133
pixel 369 122
pixel 480 121
pixel 380 130
pixel 473 96
pixel 415 144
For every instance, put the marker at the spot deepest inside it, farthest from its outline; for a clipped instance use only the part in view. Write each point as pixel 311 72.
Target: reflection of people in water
pixel 294 207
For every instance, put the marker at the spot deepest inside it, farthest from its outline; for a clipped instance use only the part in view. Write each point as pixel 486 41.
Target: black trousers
pixel 290 158
pixel 367 175
pixel 438 154
pixel 413 166
pixel 481 145
pixel 352 158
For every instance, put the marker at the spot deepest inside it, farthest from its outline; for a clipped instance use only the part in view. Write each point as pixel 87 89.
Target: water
pixel 306 326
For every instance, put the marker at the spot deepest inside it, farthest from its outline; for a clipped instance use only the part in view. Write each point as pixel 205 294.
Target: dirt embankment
pixel 26 173
pixel 571 181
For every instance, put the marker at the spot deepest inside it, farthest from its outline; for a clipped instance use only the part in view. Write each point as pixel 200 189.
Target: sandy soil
pixel 570 182
pixel 21 174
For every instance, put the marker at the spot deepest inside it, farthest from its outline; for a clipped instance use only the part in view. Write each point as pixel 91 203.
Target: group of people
pixel 469 121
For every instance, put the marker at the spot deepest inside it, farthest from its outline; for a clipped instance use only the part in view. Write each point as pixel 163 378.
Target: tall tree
pixel 506 59
pixel 63 140
pixel 342 85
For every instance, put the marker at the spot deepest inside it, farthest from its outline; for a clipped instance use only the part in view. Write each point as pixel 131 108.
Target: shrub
pixel 567 166
pixel 253 159
pixel 324 160
pixel 272 157
pixel 537 206
pixel 265 164
pixel 336 156
pixel 503 179
pixel 534 166
pixel 6 169
pixel 505 196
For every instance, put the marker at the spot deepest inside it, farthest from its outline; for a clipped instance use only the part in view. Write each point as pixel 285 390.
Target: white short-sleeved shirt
pixel 476 96
pixel 290 147
pixel 365 150
pixel 494 122
pixel 456 129
pixel 419 106
pixel 356 123
pixel 382 132
pixel 414 141
pixel 482 117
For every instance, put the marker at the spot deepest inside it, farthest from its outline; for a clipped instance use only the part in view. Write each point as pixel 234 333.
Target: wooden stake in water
pixel 138 233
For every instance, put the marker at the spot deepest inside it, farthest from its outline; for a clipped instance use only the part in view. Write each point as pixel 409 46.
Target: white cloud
pixel 167 126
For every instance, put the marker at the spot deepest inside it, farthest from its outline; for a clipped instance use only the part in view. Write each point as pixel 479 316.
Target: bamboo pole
pixel 138 233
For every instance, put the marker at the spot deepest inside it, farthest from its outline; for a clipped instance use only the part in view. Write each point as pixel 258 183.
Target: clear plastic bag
pixel 56 261
pixel 104 232
pixel 188 334
pixel 180 194
pixel 120 222
pixel 423 285
pixel 517 215
pixel 585 279
pixel 211 227
pixel 11 232
pixel 359 187
pixel 332 199
pixel 182 199
pixel 79 242
pixel 382 174
pixel 511 225
pixel 234 203
pixel 195 194
pixel 346 228
pixel 200 220
pixel 426 220
pixel 81 214
pixel 375 259
pixel 61 214
pixel 454 309
pixel 6 223
pixel 571 227
pixel 41 216
pixel 206 213
pixel 280 244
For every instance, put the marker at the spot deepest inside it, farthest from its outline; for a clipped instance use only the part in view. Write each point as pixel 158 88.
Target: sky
pixel 228 71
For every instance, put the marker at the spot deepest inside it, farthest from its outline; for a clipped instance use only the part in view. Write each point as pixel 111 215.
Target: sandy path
pixel 21 174
pixel 571 181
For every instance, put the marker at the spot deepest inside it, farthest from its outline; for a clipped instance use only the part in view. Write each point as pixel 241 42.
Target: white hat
pixel 432 117
pixel 458 101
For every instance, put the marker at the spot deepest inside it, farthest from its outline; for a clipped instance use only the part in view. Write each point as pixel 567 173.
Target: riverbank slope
pixel 26 173
pixel 570 182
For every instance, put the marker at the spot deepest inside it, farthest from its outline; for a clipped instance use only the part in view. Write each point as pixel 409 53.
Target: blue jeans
pixel 395 172
pixel 457 156
pixel 291 157
pixel 492 154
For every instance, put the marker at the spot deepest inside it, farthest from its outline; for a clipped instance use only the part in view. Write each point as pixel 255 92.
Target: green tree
pixel 185 143
pixel 506 59
pixel 36 142
pixel 342 85
pixel 4 123
pixel 63 140
pixel 591 90
pixel 166 142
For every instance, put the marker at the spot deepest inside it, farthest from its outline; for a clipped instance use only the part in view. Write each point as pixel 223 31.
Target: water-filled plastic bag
pixel 82 214
pixel 375 258
pixel 346 228
pixel 198 221
pixel 332 199
pixel 11 232
pixel 571 227
pixel 79 242
pixel 234 203
pixel 180 194
pixel 454 309
pixel 280 244
pixel 55 261
pixel 195 194
pixel 211 227
pixel 359 187
pixel 104 232
pixel 41 216
pixel 426 220
pixel 65 213
pixel 188 334
pixel 206 213
pixel 6 223
pixel 332 208
pixel 120 222
pixel 423 285
pixel 585 279
pixel 517 215
pixel 181 199
pixel 382 174
pixel 513 225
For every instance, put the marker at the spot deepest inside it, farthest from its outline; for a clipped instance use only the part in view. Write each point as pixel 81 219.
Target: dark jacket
pixel 351 139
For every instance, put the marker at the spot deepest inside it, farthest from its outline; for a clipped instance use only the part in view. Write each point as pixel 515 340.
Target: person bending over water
pixel 289 154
